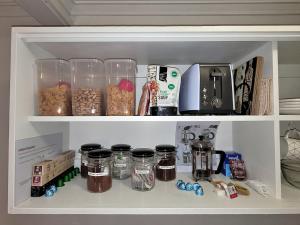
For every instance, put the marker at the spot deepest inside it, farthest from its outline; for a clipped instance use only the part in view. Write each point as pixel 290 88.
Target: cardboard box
pixel 47 170
pixel 42 168
pixel 62 157
pixel 38 180
pixel 226 166
pixel 63 167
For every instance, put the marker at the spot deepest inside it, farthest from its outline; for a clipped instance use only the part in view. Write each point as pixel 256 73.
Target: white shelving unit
pixel 255 137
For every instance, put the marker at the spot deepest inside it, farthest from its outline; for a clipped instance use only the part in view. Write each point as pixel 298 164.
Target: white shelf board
pixel 145 118
pixel 163 199
pixel 289 117
pixel 289 192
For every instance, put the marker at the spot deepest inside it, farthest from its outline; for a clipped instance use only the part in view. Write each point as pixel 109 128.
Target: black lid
pixel 89 147
pixel 120 147
pixel 165 148
pixel 102 153
pixel 142 152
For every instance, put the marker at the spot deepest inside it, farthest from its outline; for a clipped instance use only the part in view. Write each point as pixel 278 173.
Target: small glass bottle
pixel 84 150
pixel 99 177
pixel 121 161
pixel 142 175
pixel 166 162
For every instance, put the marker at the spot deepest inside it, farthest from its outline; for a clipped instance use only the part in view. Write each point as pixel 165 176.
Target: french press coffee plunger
pixel 205 159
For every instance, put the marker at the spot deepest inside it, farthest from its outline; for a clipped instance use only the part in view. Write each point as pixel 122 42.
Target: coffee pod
pixel 196 186
pixel 66 178
pixel 60 183
pixel 49 193
pixel 189 187
pixel 53 188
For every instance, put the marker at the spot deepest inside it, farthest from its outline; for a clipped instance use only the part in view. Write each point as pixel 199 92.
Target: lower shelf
pixel 73 198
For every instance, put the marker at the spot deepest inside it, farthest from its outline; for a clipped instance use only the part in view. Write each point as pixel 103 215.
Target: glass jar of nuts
pixel 120 88
pixel 54 89
pixel 88 81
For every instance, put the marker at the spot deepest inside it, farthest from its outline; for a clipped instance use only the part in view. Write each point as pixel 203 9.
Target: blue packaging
pixel 226 166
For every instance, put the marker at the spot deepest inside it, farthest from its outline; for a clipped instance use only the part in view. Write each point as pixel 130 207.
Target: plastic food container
pixel 120 88
pixel 88 83
pixel 166 162
pixel 99 177
pixel 142 175
pixel 121 161
pixel 84 150
pixel 54 89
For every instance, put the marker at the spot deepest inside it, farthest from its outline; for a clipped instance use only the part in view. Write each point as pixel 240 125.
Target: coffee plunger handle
pixel 223 155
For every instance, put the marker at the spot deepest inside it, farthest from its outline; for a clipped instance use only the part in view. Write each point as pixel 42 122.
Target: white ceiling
pixel 161 12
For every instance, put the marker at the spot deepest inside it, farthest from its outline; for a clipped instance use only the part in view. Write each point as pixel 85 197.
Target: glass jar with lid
pixel 142 175
pixel 121 161
pixel 166 162
pixel 99 177
pixel 84 150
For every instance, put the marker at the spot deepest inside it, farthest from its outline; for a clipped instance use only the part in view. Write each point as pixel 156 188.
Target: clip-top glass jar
pixel 84 150
pixel 166 162
pixel 121 161
pixel 142 175
pixel 99 177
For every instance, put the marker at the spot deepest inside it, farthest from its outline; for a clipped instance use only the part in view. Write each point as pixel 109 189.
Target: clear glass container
pixel 166 162
pixel 120 88
pixel 54 87
pixel 142 175
pixel 88 83
pixel 84 150
pixel 121 161
pixel 99 177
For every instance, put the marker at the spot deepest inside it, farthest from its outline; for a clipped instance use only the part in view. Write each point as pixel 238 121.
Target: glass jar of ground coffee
pixel 142 173
pixel 84 150
pixel 99 177
pixel 121 168
pixel 166 162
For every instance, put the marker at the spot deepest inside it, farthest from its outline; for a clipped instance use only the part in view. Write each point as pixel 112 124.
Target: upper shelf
pixel 145 118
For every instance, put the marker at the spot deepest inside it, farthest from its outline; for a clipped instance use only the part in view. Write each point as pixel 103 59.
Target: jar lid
pixel 142 152
pixel 120 148
pixel 97 154
pixel 89 147
pixel 165 148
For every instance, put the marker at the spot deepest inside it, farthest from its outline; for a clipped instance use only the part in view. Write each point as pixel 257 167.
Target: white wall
pixel 21 18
